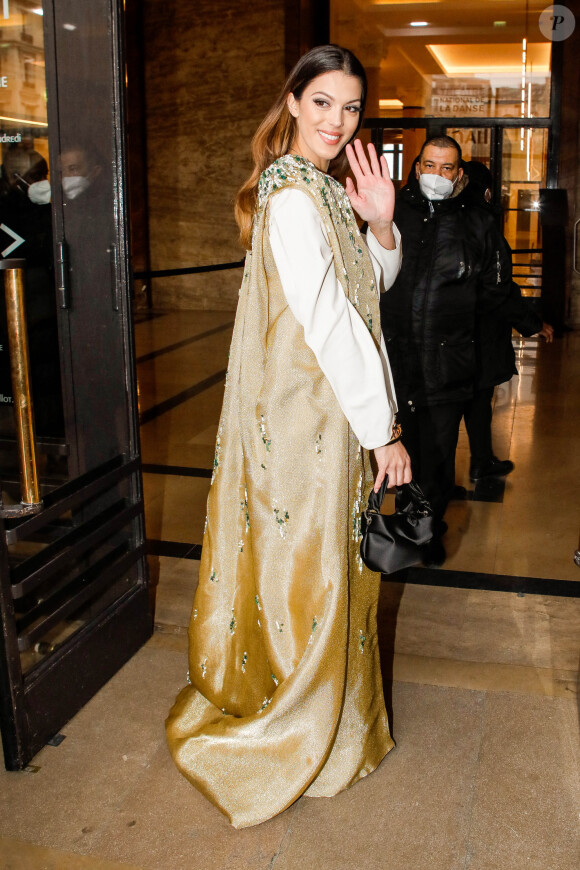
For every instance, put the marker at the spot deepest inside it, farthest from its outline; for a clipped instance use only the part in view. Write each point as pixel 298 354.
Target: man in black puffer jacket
pixel 456 264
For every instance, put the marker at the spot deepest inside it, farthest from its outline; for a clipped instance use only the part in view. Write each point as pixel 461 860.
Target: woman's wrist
pixel 382 224
pixel 383 233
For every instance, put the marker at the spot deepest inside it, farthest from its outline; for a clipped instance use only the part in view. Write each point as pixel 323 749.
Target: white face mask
pixel 39 192
pixel 435 186
pixel 74 185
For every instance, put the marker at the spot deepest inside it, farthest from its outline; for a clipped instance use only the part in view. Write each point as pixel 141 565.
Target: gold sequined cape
pixel 285 694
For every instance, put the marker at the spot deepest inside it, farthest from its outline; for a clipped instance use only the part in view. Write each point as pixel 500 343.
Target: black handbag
pixel 392 541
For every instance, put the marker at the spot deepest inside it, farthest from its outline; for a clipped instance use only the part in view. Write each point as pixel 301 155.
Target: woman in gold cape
pixel 285 693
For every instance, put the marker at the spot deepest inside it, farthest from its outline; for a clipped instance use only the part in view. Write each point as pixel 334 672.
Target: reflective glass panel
pixel 26 233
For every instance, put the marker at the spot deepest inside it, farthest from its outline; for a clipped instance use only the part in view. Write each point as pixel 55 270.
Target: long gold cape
pixel 285 694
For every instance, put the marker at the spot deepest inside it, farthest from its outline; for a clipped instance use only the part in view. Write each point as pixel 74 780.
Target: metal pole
pixel 20 369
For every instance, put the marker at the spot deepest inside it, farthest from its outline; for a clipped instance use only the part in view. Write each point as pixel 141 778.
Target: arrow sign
pixel 18 240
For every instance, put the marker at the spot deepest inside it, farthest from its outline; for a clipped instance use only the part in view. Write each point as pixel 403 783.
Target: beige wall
pixel 212 69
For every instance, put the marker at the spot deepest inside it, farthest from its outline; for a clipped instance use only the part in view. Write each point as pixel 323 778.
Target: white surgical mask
pixel 74 185
pixel 435 186
pixel 39 192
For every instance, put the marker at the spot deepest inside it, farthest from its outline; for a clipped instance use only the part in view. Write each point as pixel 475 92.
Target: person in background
pixel 80 168
pixel 495 355
pixel 454 265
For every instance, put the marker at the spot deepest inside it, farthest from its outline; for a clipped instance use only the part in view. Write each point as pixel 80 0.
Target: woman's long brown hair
pixel 275 135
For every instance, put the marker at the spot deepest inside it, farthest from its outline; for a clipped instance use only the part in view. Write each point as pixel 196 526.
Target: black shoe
pixel 440 528
pixel 494 467
pixel 459 493
pixel 433 554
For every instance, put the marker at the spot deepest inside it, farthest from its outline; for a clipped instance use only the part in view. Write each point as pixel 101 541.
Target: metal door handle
pixel 575 244
pixel 114 277
pixel 23 409
pixel 62 275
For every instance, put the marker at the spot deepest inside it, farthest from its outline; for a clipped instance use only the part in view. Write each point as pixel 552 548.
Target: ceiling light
pixel 38 10
pixel 500 23
pixel 24 121
pixel 419 23
pixel 69 26
pixel 400 2
pixel 390 104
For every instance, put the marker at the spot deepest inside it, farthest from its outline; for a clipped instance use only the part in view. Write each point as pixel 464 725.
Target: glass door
pixel 523 174
pixel 74 599
pixel 517 158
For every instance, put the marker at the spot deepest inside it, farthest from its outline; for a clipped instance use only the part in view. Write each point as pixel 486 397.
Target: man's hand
pixel 547 332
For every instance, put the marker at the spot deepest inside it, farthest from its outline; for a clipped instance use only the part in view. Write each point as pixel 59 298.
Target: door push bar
pixel 23 409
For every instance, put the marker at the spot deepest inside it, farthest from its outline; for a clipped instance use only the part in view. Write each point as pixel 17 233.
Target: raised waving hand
pixel 372 194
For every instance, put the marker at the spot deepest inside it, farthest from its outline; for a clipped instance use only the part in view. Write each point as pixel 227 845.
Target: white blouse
pixel 333 328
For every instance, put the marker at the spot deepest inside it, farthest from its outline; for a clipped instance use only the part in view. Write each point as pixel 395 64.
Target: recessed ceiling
pixel 460 40
pixel 496 58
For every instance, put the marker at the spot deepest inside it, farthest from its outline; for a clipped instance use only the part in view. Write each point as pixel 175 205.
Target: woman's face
pixel 327 115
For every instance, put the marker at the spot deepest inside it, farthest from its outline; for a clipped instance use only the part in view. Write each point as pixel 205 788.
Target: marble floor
pixel 480 665
pixel 526 525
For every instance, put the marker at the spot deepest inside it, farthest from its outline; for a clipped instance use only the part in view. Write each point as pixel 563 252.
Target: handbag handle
pixel 412 490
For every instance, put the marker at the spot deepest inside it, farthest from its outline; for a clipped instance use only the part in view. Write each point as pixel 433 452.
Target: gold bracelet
pixel 396 432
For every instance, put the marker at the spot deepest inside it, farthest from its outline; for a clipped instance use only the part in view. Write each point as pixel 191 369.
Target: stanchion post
pixel 20 370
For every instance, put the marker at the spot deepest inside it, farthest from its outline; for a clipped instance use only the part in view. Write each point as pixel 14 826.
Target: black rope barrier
pixel 190 270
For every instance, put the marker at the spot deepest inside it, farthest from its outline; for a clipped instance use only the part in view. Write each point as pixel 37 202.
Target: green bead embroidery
pixel 244 507
pixel 369 319
pixel 314 627
pixel 213 576
pixel 204 668
pixel 217 456
pixel 318 443
pixel 188 678
pixel 265 703
pixel 356 510
pixel 361 641
pixel 275 680
pixel 233 624
pixel 244 660
pixel 262 427
pixel 257 600
pixel 280 626
pixel 282 518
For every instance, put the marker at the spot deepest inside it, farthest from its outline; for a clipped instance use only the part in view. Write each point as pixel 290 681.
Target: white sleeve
pixel 333 328
pixel 386 264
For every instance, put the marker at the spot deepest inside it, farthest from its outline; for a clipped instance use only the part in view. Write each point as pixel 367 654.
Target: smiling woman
pixel 278 132
pixel 285 694
pixel 327 116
